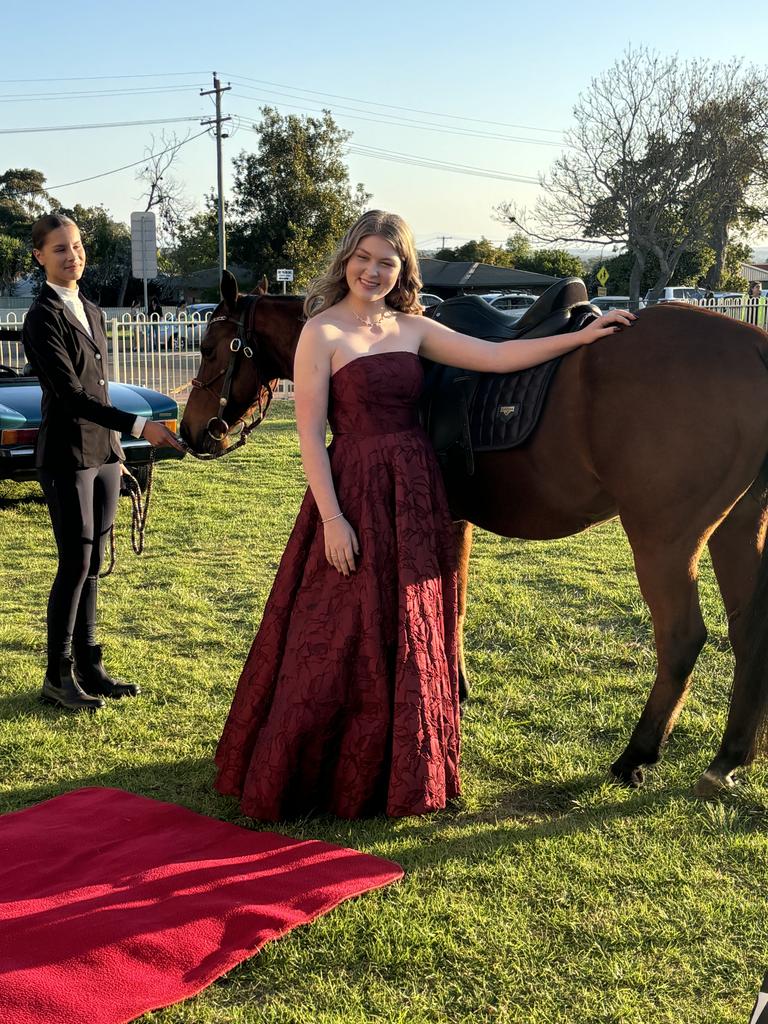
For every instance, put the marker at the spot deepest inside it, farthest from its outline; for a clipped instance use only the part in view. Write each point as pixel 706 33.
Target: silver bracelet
pixel 331 518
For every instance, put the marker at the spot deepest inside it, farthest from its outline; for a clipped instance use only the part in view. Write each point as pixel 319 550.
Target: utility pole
pixel 216 91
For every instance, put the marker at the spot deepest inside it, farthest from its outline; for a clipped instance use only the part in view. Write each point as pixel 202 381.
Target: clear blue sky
pixel 512 63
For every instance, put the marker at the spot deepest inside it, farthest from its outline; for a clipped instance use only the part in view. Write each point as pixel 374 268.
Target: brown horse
pixel 665 426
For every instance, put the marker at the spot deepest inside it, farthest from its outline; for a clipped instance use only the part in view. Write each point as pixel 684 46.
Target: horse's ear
pixel 229 289
pixel 262 287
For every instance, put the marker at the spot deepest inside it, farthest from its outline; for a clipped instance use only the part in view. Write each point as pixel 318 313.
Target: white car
pixel 514 302
pixel 677 293
pixel 182 330
pixel 607 302
pixel 509 302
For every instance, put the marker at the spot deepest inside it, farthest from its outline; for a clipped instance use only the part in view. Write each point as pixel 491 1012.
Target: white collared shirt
pixel 71 299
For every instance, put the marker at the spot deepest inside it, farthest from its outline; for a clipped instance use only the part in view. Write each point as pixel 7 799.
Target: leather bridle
pixel 217 427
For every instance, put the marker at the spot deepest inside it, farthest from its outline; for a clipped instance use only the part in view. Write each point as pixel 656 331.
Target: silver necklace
pixel 375 322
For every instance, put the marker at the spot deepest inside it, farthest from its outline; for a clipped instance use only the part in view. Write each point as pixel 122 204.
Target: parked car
pixel 20 421
pixel 677 293
pixel 182 332
pixel 427 299
pixel 512 302
pixel 607 302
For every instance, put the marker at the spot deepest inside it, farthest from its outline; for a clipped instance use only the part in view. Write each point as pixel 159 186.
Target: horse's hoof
pixel 628 774
pixel 712 783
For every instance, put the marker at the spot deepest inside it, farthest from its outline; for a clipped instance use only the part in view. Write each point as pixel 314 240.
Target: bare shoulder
pixel 315 345
pixel 413 326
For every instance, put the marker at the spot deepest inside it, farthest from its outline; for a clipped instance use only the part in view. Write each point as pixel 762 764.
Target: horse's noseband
pixel 217 427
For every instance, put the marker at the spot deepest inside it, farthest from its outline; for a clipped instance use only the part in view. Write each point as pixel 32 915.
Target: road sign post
pixel 144 248
pixel 602 276
pixel 285 275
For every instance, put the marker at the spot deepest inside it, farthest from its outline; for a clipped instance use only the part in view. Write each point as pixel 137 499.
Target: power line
pixel 420 161
pixel 125 167
pixel 83 127
pixel 93 94
pixel 412 123
pixel 104 174
pixel 392 106
pixel 100 78
pixel 440 165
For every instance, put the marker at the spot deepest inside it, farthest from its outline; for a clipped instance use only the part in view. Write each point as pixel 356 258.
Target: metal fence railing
pixel 752 311
pixel 154 352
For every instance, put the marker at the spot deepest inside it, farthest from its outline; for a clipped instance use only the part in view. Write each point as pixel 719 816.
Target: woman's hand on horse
pixel 159 436
pixel 341 545
pixel 605 325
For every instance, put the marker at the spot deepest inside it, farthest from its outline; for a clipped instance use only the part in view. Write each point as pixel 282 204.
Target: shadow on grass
pixel 183 781
pixel 33 496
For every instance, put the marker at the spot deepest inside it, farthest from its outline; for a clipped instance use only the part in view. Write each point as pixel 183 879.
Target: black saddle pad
pixel 464 411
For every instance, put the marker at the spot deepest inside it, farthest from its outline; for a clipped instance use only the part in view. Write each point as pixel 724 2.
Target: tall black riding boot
pixel 93 677
pixel 64 691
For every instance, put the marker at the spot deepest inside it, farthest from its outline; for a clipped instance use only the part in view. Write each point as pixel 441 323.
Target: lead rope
pixel 139 513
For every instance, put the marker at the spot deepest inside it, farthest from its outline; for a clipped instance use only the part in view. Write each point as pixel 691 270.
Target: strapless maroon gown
pixel 348 702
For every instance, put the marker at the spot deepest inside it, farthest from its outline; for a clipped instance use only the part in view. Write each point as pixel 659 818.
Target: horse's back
pixel 675 402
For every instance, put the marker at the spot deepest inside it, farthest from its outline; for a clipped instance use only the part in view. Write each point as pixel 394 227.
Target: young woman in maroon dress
pixel 348 701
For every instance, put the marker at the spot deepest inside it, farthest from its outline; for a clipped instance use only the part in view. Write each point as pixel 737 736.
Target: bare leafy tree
pixel 163 192
pixel 661 152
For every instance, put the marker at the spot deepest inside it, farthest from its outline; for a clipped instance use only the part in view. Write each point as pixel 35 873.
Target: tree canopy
pixel 293 199
pixel 664 155
pixel 517 253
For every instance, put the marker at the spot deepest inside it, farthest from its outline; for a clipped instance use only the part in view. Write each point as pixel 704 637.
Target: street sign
pixel 285 275
pixel 602 276
pixel 602 290
pixel 143 245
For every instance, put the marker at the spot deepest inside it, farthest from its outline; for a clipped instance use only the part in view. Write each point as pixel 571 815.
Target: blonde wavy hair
pixel 331 287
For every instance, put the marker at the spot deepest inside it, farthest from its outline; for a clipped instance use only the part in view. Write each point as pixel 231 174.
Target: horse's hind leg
pixel 736 549
pixel 668 580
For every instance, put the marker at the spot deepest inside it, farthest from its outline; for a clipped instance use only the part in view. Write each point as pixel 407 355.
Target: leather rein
pixel 217 427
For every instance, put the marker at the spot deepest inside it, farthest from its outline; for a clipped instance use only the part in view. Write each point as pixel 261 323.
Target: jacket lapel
pixel 94 317
pixel 54 300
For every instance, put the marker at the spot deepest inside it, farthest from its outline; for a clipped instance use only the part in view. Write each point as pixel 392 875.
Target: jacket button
pixel 98 356
pixel 101 382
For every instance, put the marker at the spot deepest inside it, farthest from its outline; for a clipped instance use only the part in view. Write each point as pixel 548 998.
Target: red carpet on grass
pixel 112 904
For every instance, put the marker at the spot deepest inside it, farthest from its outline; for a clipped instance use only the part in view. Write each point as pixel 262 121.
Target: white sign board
pixel 285 275
pixel 143 245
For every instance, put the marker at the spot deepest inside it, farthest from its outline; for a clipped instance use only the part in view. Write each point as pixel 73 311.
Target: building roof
pixel 465 274
pixel 755 271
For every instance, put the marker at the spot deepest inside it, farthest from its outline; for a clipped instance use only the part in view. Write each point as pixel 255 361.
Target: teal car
pixel 20 421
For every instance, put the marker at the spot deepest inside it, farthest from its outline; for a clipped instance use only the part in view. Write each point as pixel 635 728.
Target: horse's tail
pixel 750 690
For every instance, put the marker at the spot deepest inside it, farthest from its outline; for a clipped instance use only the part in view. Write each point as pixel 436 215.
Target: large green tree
pixel 516 253
pixel 196 242
pixel 292 197
pixel 664 156
pixel 477 251
pixel 108 247
pixel 14 261
pixel 23 199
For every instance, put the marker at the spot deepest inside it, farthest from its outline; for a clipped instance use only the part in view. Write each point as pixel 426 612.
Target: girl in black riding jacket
pixel 78 461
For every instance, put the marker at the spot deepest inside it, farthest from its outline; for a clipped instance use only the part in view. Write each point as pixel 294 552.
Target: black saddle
pixel 465 411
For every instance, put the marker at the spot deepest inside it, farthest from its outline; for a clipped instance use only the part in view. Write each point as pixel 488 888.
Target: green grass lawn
pixel 548 894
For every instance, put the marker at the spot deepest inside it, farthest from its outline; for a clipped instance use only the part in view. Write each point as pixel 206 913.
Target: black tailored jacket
pixel 78 421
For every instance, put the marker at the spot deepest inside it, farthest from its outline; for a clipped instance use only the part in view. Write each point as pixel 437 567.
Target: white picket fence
pixel 163 353
pixel 153 352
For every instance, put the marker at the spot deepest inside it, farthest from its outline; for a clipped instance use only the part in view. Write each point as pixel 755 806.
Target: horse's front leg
pixel 463 549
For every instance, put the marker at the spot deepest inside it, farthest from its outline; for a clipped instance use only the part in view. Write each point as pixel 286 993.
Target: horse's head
pixel 244 350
